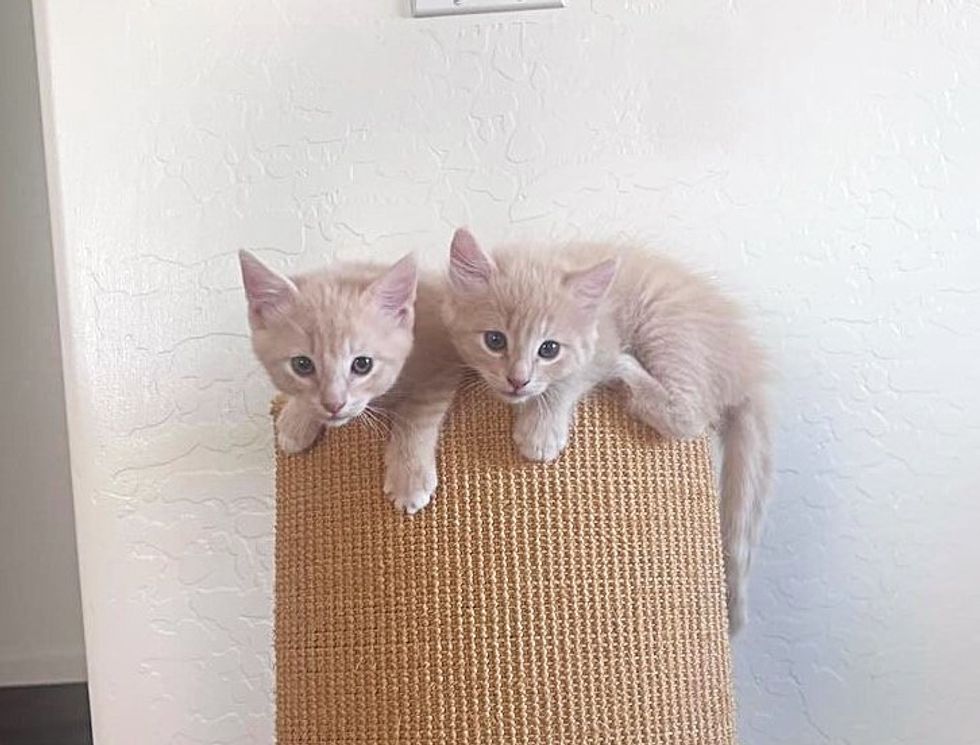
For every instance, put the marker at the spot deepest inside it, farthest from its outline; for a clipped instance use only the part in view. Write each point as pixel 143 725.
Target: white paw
pixel 290 444
pixel 540 440
pixel 411 502
pixel 410 488
pixel 295 429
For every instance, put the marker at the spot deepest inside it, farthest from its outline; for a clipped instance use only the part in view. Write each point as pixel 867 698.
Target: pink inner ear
pixel 469 266
pixel 265 289
pixel 589 286
pixel 394 292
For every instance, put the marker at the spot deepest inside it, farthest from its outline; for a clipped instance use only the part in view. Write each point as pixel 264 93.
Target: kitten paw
pixel 539 440
pixel 291 445
pixel 410 488
pixel 542 452
pixel 296 429
pixel 411 502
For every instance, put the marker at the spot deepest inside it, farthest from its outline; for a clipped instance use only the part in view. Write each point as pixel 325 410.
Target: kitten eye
pixel 361 365
pixel 302 365
pixel 549 349
pixel 495 341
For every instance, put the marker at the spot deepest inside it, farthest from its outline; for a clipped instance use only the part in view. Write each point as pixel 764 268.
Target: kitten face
pixel 333 341
pixel 522 325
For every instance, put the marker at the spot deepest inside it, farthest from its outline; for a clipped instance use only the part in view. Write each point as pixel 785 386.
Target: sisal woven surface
pixel 571 603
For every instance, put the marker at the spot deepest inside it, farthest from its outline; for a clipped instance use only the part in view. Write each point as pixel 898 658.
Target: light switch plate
pixel 424 8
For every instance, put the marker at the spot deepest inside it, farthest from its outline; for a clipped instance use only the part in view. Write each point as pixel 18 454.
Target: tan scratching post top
pixel 569 603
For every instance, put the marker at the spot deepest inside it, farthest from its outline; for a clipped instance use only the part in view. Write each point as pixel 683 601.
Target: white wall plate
pixel 424 8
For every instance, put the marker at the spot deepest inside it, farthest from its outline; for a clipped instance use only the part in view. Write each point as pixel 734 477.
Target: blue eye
pixel 495 341
pixel 302 365
pixel 361 365
pixel 549 349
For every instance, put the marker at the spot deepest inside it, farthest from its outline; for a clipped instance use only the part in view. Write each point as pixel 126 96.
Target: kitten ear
pixel 267 290
pixel 393 293
pixel 469 267
pixel 589 286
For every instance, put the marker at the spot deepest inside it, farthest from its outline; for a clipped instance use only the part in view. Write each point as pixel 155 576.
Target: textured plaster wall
pixel 820 158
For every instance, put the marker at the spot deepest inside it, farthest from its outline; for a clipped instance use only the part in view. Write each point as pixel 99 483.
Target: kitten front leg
pixel 410 456
pixel 542 424
pixel 297 426
pixel 410 475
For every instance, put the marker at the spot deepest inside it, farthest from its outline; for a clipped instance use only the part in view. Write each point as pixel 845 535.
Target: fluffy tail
pixel 745 474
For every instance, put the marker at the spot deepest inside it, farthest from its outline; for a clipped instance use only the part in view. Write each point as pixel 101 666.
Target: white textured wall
pixel 821 158
pixel 40 613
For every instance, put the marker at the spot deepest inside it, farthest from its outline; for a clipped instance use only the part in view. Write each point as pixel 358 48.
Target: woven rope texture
pixel 569 603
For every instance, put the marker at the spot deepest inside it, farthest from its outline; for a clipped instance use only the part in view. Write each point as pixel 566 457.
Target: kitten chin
pixel 519 398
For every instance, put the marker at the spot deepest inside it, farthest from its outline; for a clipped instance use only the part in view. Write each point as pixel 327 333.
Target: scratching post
pixel 569 603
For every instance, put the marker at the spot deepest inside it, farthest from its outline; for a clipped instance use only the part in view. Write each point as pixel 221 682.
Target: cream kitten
pixel 544 327
pixel 357 339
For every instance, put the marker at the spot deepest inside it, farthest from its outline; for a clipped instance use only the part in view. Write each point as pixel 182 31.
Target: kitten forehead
pixel 331 294
pixel 526 295
pixel 530 324
pixel 336 314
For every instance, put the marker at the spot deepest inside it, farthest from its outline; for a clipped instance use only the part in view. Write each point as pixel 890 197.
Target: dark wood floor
pixel 45 715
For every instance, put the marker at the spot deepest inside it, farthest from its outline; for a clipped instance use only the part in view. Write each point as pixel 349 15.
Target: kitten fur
pixel 389 314
pixel 627 316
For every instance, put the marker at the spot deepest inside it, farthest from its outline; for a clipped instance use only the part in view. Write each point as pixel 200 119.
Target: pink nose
pixel 334 407
pixel 517 384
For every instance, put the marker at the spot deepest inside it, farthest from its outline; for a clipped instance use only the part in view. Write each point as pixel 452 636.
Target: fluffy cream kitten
pixel 543 327
pixel 352 340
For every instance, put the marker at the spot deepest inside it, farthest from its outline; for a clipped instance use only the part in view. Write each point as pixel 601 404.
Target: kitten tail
pixel 745 474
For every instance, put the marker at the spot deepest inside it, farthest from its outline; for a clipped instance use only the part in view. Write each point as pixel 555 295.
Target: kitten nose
pixel 334 406
pixel 517 384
